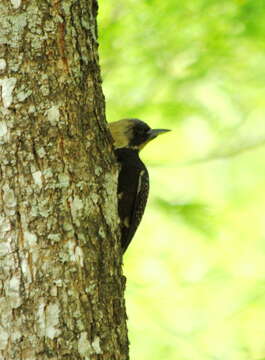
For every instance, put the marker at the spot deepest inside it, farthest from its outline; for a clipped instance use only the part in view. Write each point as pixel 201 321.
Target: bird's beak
pixel 153 133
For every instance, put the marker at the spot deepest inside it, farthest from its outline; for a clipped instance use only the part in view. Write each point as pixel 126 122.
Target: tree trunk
pixel 61 284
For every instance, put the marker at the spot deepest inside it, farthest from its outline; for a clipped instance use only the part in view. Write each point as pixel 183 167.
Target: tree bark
pixel 61 284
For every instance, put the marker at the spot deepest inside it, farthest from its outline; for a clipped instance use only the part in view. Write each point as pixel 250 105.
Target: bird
pixel 129 137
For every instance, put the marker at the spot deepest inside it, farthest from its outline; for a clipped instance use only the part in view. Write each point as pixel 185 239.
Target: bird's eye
pixel 141 132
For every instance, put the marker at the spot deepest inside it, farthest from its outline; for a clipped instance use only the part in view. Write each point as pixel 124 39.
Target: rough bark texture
pixel 61 287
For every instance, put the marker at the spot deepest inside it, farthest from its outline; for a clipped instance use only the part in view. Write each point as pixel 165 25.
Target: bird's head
pixel 133 133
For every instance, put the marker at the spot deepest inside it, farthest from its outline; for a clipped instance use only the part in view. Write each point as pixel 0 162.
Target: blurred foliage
pixel 195 269
pixel 194 213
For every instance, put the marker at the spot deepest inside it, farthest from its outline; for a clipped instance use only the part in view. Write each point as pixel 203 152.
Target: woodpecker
pixel 129 137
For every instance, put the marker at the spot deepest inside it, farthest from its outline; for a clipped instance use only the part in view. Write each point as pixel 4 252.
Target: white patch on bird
pixel 140 181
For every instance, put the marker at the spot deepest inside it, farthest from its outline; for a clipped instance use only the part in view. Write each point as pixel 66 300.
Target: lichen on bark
pixel 61 284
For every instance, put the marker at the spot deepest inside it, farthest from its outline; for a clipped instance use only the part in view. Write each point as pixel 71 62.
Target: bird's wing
pixel 138 207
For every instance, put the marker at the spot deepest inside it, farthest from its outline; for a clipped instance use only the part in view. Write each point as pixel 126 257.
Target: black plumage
pixel 130 136
pixel 133 189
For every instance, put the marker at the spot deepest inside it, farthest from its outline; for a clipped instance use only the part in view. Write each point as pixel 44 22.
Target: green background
pixel 196 267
